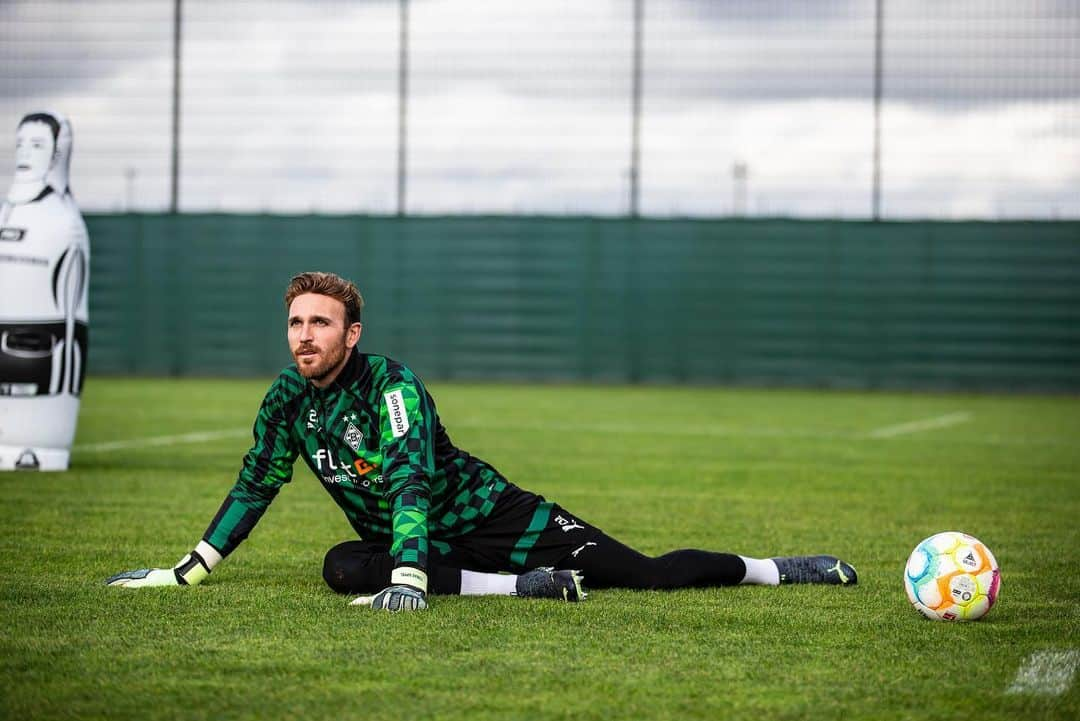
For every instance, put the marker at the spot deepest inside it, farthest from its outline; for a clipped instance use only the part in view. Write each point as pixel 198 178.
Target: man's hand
pixel 190 571
pixel 399 598
pixel 143 578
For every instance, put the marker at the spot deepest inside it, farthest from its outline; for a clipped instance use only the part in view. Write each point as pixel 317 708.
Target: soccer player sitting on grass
pixel 432 517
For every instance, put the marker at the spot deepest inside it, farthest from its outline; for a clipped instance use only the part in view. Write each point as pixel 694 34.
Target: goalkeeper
pixel 432 518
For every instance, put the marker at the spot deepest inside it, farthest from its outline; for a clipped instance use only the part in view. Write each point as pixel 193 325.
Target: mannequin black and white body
pixel 44 273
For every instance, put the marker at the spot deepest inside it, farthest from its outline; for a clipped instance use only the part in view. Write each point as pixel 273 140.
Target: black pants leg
pixel 607 563
pixel 363 567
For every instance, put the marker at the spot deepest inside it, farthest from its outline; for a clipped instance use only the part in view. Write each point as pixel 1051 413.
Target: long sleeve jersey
pixel 374 440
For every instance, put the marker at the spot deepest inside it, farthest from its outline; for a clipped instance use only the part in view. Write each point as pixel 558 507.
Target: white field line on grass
pixel 622 429
pixel 927 424
pixel 759 431
pixel 628 429
pixel 729 431
pixel 198 437
pixel 1046 673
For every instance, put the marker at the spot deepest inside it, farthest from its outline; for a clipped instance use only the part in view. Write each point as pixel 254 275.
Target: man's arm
pixel 407 422
pixel 267 466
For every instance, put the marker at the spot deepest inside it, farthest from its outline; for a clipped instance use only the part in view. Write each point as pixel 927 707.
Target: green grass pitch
pixel 755 472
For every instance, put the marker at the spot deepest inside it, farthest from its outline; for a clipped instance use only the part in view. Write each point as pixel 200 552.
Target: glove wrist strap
pixel 409 576
pixel 191 570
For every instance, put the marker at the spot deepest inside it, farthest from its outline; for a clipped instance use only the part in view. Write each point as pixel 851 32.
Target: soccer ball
pixel 952 576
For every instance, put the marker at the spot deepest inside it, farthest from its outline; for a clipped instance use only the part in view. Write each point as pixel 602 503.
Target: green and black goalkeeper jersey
pixel 375 442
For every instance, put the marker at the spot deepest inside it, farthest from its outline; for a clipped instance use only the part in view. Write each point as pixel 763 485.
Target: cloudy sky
pixel 525 107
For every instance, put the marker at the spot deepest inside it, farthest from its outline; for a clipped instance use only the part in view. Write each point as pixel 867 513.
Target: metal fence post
pixel 879 18
pixel 403 98
pixel 635 134
pixel 174 190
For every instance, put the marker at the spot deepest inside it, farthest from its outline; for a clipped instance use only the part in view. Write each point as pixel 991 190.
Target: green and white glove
pixel 406 591
pixel 190 571
pixel 144 577
pixel 399 598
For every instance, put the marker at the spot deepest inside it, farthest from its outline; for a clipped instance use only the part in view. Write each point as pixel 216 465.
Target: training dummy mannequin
pixel 44 269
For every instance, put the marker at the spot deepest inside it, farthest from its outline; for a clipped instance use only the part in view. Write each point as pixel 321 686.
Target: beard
pixel 319 366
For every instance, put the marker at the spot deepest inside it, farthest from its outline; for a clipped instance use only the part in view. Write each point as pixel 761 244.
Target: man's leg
pixel 361 567
pixel 607 563
pixel 527 531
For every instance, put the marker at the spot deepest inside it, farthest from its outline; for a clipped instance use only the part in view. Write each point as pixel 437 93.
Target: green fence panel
pixel 969 305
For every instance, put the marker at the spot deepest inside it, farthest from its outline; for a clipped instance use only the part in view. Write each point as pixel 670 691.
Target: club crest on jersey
pixel 312 420
pixel 353 436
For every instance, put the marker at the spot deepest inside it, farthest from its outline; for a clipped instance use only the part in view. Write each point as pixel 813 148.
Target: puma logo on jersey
pixel 568 524
pixel 576 551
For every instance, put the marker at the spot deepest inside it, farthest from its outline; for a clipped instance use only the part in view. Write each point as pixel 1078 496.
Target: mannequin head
pixel 35 146
pixel 42 156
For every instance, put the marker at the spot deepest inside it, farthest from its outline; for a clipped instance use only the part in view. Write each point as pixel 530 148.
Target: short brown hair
pixel 327 284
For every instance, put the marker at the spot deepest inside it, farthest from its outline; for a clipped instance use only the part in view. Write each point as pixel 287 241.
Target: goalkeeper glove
pixel 191 570
pixel 144 577
pixel 400 598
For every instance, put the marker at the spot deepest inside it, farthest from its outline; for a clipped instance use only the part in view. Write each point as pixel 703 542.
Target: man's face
pixel 318 337
pixel 34 146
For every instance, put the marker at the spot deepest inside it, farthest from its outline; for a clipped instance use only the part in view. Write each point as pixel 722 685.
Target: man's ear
pixel 352 336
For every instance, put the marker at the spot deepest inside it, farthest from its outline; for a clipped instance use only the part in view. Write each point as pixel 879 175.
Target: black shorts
pixel 523 531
